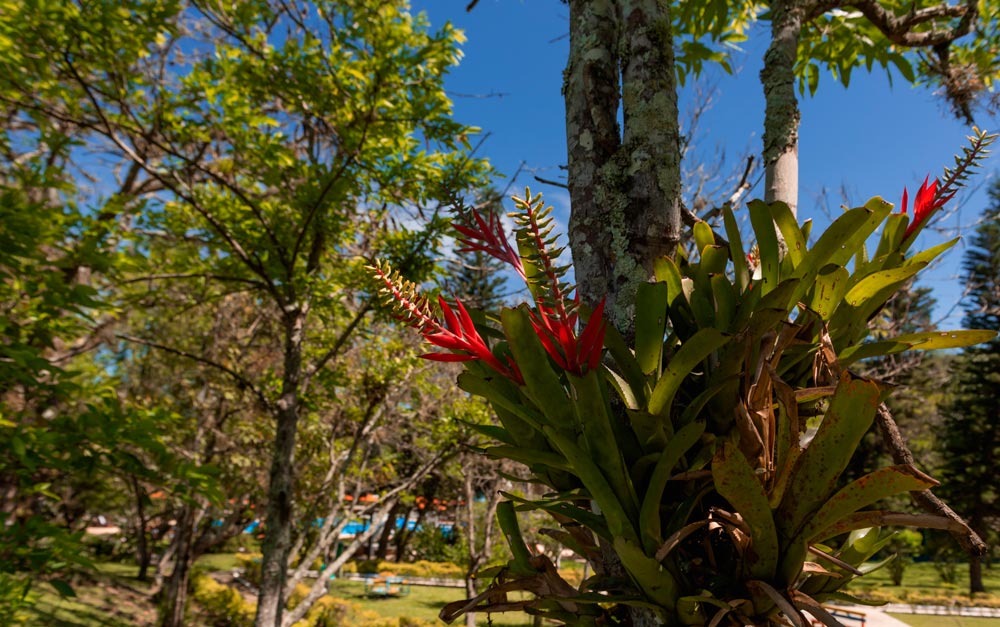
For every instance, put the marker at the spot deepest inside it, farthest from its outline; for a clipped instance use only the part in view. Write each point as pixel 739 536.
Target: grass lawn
pixel 111 597
pixel 922 620
pixel 423 602
pixel 219 561
pixel 921 581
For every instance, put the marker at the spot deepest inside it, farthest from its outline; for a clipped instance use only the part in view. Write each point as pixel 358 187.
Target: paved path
pixel 874 617
pixel 942 610
pixel 877 616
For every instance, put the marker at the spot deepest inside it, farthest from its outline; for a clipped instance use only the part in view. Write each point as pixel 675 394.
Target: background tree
pixel 208 421
pixel 808 36
pixel 971 433
pixel 54 247
pixel 264 149
pixel 939 44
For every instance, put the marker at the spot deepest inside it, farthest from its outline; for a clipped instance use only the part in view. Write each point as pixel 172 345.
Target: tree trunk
pixel 781 113
pixel 470 593
pixel 403 541
pixel 174 601
pixel 976 575
pixel 142 556
pixel 399 540
pixel 624 183
pixel 278 518
pixel 479 552
pixel 382 551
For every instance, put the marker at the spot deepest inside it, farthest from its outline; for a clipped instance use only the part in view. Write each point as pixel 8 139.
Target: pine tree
pixel 474 277
pixel 971 437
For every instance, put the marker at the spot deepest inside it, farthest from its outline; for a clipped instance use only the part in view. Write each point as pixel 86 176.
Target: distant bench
pixel 382 587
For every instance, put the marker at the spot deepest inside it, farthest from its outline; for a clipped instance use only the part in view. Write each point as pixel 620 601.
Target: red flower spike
pixel 491 239
pixel 558 336
pixel 925 203
pixel 458 333
pixel 592 338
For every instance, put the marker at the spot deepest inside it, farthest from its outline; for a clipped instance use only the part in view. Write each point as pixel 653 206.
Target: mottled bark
pixel 624 183
pixel 651 134
pixel 781 112
pixel 592 92
pixel 278 519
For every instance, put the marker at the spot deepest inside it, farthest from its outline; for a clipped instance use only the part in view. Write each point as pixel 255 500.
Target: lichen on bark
pixel 781 113
pixel 624 182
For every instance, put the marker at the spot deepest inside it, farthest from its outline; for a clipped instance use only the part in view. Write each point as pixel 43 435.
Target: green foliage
pixel 252 156
pixel 433 544
pixel 838 38
pixel 970 436
pixel 905 544
pixel 709 32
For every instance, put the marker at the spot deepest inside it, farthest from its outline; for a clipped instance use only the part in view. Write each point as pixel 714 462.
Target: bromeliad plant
pixel 707 453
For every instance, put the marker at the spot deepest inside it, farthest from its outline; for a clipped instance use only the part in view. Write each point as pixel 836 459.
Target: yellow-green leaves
pixel 686 359
pixel 738 483
pixel 850 413
pixel 650 325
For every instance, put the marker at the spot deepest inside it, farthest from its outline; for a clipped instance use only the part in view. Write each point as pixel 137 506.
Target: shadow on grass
pixel 77 616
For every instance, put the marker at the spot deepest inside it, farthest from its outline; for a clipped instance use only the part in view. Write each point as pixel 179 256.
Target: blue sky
pixel 871 139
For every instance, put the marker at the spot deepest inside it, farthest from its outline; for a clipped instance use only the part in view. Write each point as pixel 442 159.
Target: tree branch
pixel 242 381
pixel 893 440
pixel 899 28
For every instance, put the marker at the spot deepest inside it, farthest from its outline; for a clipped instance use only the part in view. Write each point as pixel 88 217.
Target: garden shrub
pixel 367 566
pixel 420 568
pixel 327 611
pixel 370 618
pixel 406 621
pixel 224 606
pixel 438 545
pixel 913 596
pixel 573 576
pixel 240 543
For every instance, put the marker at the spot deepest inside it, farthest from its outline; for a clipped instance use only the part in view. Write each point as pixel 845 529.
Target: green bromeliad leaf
pixel 737 483
pixel 686 359
pixel 862 492
pixel 850 414
pixel 925 341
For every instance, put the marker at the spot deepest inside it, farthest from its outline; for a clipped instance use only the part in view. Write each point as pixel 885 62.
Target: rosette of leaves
pixel 708 454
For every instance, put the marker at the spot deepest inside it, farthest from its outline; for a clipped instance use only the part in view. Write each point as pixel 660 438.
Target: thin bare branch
pixel 899 28
pixel 893 440
pixel 241 380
